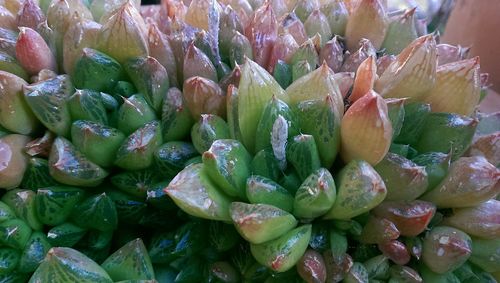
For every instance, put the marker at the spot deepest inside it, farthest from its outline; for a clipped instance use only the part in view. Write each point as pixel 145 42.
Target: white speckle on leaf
pixel 279 136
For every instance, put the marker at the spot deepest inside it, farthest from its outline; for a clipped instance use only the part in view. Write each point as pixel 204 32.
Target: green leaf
pixel 37 175
pixel 321 119
pixel 63 265
pixel 23 203
pixel 158 198
pixel 96 70
pixel 259 223
pixel 377 267
pixel 88 105
pixel 227 163
pixel 97 142
pixel 223 236
pixel 315 196
pixel 150 78
pixel 34 252
pixel 272 110
pixel 455 134
pixel 136 183
pixel 256 88
pixel 138 149
pixel 123 88
pixel 6 213
pixel 171 157
pixel 283 74
pixel 9 258
pixel 176 119
pixel 436 165
pixel 283 253
pixel 48 101
pixel 65 235
pixel 11 65
pixel 207 130
pixel 161 248
pixel 195 194
pixel 130 262
pixel 54 204
pixel 303 155
pixel 396 111
pixel 130 209
pixel 134 113
pixel 403 179
pixel 413 123
pixel 265 191
pixel 14 233
pixel 357 274
pixel 69 166
pixel 264 163
pixel 360 188
pixel 486 254
pixel 96 212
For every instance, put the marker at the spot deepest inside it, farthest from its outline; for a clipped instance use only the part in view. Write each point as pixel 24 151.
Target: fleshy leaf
pixel 171 157
pixel 175 117
pixel 15 114
pixel 480 221
pixel 262 32
pixel 96 212
pixel 403 179
pixel 87 105
pixel 469 182
pixel 48 101
pixel 34 252
pixel 204 96
pixel 360 188
pixel 262 190
pixel 65 235
pixel 81 34
pixel 400 32
pixel 123 34
pixel 208 129
pixel 130 262
pixel 150 78
pixel 227 162
pixel 62 264
pixel 138 149
pixel 413 73
pixel 134 113
pixel 368 20
pixel 315 196
pixel 283 253
pixel 260 223
pixel 13 161
pixel 410 217
pixel 457 88
pixel 54 204
pixel 69 166
pixel 455 132
pixel 445 249
pixel 97 71
pixel 33 53
pixel 366 131
pixel 256 88
pixel 311 267
pixel 14 233
pixel 23 203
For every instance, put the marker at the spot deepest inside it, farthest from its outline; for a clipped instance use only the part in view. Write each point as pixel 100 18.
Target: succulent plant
pixel 241 141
